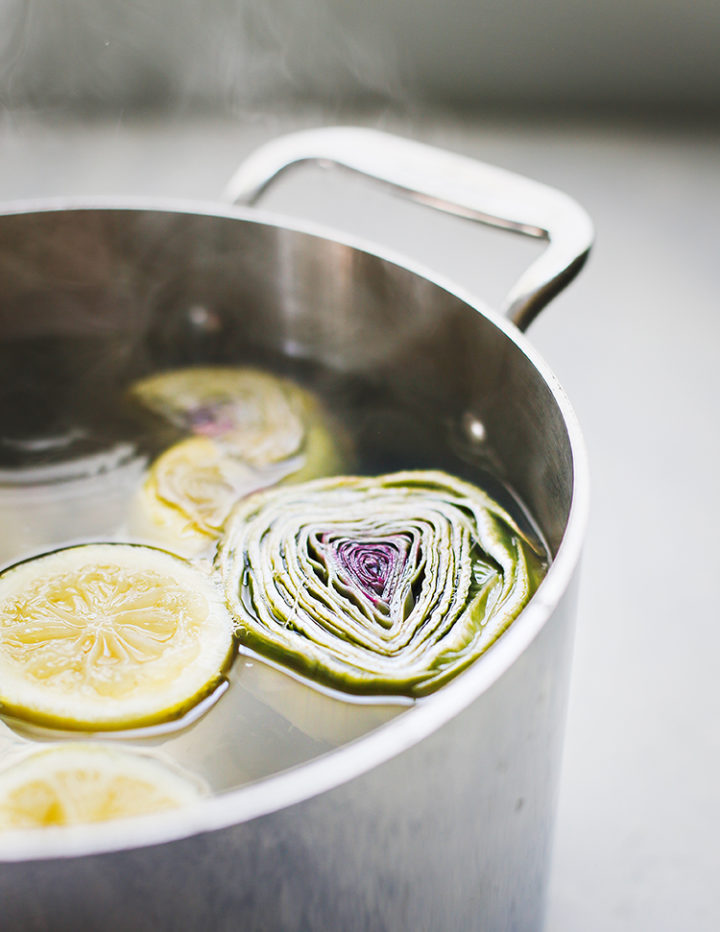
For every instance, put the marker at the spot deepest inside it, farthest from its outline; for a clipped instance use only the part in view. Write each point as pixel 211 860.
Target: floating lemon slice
pixel 76 784
pixel 250 430
pixel 188 493
pixel 106 636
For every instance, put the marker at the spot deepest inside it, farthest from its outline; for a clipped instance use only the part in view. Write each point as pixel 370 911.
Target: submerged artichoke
pixel 246 430
pixel 386 585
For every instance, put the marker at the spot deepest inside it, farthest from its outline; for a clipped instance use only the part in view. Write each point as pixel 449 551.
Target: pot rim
pixel 329 770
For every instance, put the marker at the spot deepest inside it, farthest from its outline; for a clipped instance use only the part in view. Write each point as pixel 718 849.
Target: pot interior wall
pixel 92 299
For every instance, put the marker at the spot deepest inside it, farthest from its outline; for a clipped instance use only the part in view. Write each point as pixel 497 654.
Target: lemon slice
pixel 251 430
pixel 190 491
pixel 106 636
pixel 75 784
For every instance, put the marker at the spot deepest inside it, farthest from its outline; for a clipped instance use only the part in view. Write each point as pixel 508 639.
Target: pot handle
pixel 446 181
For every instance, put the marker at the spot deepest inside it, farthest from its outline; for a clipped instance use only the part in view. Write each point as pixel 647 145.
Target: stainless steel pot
pixel 441 818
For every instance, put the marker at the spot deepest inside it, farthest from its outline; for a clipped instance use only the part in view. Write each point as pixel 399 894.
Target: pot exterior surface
pixel 452 834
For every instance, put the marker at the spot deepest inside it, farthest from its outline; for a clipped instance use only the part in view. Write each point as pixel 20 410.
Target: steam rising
pixel 238 54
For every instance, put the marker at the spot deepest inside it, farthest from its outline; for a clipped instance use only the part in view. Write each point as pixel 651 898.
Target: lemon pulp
pixel 75 784
pixel 106 636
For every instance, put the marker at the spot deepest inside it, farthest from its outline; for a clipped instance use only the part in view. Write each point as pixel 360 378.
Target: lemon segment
pixel 79 784
pixel 105 636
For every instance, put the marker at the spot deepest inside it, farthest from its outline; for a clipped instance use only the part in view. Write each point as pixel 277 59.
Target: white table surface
pixel 635 343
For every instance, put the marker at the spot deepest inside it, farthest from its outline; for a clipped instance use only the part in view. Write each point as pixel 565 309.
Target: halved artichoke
pixel 246 430
pixel 385 585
